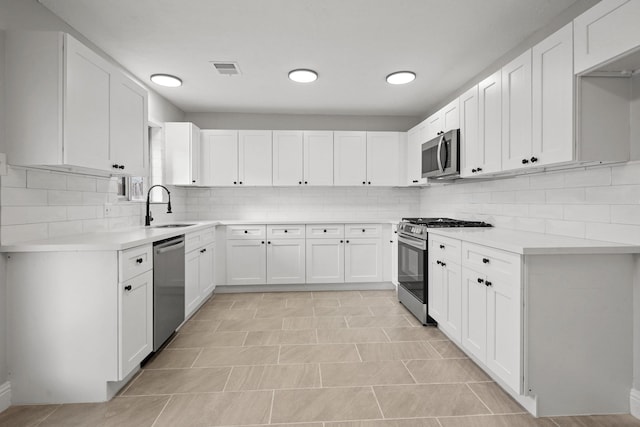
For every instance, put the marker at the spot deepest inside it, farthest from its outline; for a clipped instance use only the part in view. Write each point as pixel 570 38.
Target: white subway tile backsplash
pixel 626 174
pixel 530 196
pixel 590 177
pixel 65 228
pixel 565 228
pixel 46 180
pixel 13 215
pixel 16 177
pixel 625 214
pixel 588 213
pixel 546 211
pixel 106 185
pixel 82 212
pixel 566 195
pixel 65 197
pixel 81 183
pixel 11 196
pixel 546 180
pixel 622 233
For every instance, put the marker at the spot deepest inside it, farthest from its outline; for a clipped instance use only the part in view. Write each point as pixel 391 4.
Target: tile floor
pixel 305 359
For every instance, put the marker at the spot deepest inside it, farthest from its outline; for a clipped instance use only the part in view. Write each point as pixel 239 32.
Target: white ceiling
pixel 352 44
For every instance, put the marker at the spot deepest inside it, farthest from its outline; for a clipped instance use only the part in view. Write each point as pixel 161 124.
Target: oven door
pixel 412 266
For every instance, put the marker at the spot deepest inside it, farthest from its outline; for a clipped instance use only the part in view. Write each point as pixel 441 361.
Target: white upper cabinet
pixel 383 158
pixel 219 157
pixel 415 137
pixel 70 107
pixel 288 148
pixel 607 30
pixel 516 112
pixel 350 158
pixel 553 95
pixel 451 116
pixel 254 157
pixel 489 154
pixel 469 136
pixel 182 153
pixel 434 125
pixel 318 158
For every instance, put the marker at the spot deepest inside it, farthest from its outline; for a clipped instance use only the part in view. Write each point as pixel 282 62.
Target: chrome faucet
pixel 148 218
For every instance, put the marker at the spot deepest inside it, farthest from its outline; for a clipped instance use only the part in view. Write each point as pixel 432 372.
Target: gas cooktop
pixel 444 222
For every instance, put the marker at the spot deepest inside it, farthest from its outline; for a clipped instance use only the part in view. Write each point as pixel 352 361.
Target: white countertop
pixel 527 243
pixel 309 221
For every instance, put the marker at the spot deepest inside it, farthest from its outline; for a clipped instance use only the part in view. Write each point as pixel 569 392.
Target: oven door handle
pixel 414 243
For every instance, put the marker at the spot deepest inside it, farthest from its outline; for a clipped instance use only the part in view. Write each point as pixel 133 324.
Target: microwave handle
pixel 439 149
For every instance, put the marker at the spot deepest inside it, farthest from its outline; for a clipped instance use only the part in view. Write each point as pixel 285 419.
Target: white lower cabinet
pixel 199 269
pixel 325 260
pixel 246 262
pixel 192 295
pixel 135 316
pixel 474 314
pixel 362 260
pixel 285 261
pixel 445 293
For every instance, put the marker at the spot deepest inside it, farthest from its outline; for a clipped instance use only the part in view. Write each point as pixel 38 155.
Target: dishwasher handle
pixel 168 248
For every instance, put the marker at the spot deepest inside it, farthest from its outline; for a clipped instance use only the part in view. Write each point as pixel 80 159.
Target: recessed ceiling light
pixel 303 76
pixel 401 77
pixel 166 80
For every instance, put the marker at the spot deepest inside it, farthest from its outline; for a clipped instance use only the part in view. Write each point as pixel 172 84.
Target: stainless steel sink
pixel 172 225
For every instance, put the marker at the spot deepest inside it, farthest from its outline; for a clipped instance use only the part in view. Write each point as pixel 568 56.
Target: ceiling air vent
pixel 226 68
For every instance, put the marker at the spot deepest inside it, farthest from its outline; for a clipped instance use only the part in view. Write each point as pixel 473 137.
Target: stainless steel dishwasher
pixel 168 288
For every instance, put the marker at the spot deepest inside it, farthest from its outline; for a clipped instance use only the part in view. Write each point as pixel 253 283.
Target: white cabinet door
pixel 416 136
pixel 607 30
pixel 469 136
pixel 436 289
pixel 288 158
pixel 220 155
pixel 394 257
pixel 363 260
pixel 503 329
pixel 285 261
pixel 452 286
pixel 383 158
pixel 255 157
pixel 206 272
pixel 135 322
pixel 246 262
pixel 490 128
pixel 192 295
pixel 451 116
pixel 553 89
pixel 318 158
pixel 129 134
pixel 435 123
pixel 182 153
pixel 87 87
pixel 325 260
pixel 350 158
pixel 474 314
pixel 516 112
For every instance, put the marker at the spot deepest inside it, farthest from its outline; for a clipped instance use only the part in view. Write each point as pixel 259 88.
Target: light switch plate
pixel 3 163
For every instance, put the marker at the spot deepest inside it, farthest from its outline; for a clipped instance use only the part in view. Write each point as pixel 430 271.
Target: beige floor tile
pixel 363 374
pixel 413 321
pixel 280 312
pixel 327 404
pixel 497 421
pixel 173 381
pixel 447 371
pixel 366 302
pixel 118 412
pixel 250 325
pixel 229 314
pixel 258 304
pixel 396 310
pixel 413 422
pixel 218 304
pixel 234 356
pixel 341 311
pixel 425 333
pixel 377 322
pixel 301 336
pixel 207 339
pixel 321 353
pixel 598 421
pixel 336 294
pixel 217 409
pixel 323 302
pixel 287 295
pixel 200 326
pixel 170 358
pixel 326 336
pixel 396 351
pixel 428 400
pixel 391 293
pixel 495 398
pixel 273 377
pixel 26 416
pixel 314 322
pixel 447 349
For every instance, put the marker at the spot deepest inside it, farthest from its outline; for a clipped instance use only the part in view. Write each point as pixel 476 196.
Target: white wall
pixel 300 122
pixel 3 287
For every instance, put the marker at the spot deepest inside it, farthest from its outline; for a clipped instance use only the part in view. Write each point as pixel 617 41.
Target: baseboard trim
pixel 634 400
pixel 367 286
pixel 5 396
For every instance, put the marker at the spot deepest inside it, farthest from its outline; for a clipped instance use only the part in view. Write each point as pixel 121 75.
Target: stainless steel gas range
pixel 413 274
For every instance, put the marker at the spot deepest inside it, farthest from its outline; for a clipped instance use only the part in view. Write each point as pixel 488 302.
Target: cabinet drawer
pixel 135 261
pixel 490 261
pixel 445 248
pixel 241 232
pixel 329 231
pixel 285 231
pixel 362 230
pixel 198 239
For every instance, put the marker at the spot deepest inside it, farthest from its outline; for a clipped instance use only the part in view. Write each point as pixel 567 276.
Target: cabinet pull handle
pixel 127 288
pixel 485 260
pixel 480 280
pixel 115 166
pixel 443 264
pixel 415 181
pixel 525 161
pixel 121 167
pixel 534 159
pixel 203 250
pixel 479 170
pixel 438 262
pixel 441 246
pixel 474 170
pixel 488 283
pixel 139 260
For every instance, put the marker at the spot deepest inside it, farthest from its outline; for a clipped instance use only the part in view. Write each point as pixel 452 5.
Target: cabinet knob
pixel 139 260
pixel 245 231
pixel 534 159
pixel 485 260
pixel 369 182
pixel 324 231
pixel 262 242
pixel 240 182
pixel 438 262
pixel 193 181
pixel 286 231
pixel 363 230
pixel 203 250
pixel 115 166
pixel 443 264
pixel 341 241
pixel 525 161
pixel 479 170
pixel 363 182
pixel 300 182
pixel 306 182
pixel 441 246
pixel 390 241
pixel 121 167
pixel 474 170
pixel 269 242
pixel 127 288
pixel 480 280
pixel 488 283
pixel 415 181
pixel 347 241
pixel 234 182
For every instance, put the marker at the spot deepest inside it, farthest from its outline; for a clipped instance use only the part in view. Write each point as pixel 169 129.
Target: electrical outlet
pixel 108 210
pixel 3 164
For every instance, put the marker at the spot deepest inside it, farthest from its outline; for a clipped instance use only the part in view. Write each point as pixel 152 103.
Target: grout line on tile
pixel 320 374
pixel 48 415
pixel 482 401
pixel 377 401
pixel 197 357
pixel 273 398
pixel 224 388
pixel 404 362
pixel 554 421
pixel 278 357
pixel 358 351
pixel 438 421
pixel 162 410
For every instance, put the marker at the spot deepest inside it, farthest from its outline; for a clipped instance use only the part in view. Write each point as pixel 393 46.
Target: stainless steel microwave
pixel 441 156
